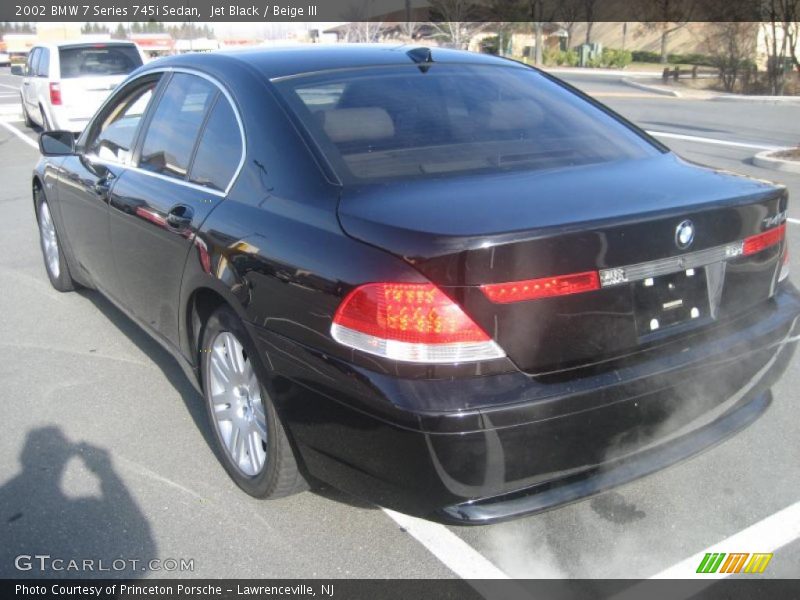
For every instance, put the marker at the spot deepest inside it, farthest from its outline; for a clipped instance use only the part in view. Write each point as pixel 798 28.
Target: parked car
pixel 5 59
pixel 444 282
pixel 65 83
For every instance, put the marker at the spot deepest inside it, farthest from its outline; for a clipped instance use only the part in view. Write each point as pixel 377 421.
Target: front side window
pixel 407 121
pixel 33 62
pixel 114 137
pixel 171 135
pixel 220 148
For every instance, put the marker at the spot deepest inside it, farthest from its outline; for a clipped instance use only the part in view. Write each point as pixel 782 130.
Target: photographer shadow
pixel 37 517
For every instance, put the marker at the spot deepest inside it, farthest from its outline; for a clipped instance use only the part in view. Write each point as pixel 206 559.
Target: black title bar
pixel 395 10
pixel 732 588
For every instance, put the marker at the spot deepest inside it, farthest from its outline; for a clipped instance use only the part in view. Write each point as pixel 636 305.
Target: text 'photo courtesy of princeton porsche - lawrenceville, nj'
pixel 400 299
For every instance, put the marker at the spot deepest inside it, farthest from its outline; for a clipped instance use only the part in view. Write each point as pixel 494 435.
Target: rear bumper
pixel 61 118
pixel 527 444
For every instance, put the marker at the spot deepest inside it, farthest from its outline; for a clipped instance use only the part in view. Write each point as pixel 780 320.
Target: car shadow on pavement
pixel 160 357
pixel 49 513
pixel 329 493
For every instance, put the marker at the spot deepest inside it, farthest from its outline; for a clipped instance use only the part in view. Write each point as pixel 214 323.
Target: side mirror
pixel 17 70
pixel 56 143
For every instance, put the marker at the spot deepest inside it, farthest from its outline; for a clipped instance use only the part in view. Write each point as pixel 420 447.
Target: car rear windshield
pixel 98 60
pixel 438 119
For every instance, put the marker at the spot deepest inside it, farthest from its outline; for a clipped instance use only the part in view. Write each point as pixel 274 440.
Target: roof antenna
pixel 422 56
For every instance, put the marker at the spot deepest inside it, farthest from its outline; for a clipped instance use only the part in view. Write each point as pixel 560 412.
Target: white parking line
pixel 19 133
pixel 11 87
pixel 456 554
pixel 705 140
pixel 793 221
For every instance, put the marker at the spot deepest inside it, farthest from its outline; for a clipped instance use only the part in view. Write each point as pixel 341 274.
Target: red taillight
pixel 410 321
pixel 55 94
pixel 545 287
pixel 762 241
pixel 414 313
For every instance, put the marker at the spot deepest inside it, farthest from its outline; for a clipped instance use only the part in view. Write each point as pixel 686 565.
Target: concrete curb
pixel 761 99
pixel 650 88
pixel 765 161
pixel 602 72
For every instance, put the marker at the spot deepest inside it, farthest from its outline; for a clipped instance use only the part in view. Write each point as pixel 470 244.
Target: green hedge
pixel 561 58
pixel 693 58
pixel 616 58
pixel 609 58
pixel 645 56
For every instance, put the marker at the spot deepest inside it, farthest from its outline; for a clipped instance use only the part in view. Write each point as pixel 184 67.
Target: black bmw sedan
pixel 444 282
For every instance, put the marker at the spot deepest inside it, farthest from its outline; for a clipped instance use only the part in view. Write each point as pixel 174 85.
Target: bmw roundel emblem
pixel 684 234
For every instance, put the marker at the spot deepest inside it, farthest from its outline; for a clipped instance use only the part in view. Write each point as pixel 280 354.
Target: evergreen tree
pixel 120 33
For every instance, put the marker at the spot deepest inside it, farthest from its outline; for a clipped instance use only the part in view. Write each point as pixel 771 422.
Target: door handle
pixel 180 217
pixel 102 188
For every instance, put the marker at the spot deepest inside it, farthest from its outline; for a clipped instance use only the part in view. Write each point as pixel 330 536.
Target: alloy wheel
pixel 235 397
pixel 49 240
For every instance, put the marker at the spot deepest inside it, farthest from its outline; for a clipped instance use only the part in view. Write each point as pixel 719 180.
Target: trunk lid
pixel 618 219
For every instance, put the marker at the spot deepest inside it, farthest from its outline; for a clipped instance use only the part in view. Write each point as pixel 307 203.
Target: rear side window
pixel 220 148
pixel 440 119
pixel 98 60
pixel 175 126
pixel 43 65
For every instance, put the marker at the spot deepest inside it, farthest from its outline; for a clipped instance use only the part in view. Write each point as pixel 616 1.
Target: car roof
pixel 275 62
pixel 81 43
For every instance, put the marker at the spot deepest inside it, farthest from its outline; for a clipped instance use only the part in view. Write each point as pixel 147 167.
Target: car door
pixel 29 83
pixel 187 156
pixel 40 84
pixel 86 179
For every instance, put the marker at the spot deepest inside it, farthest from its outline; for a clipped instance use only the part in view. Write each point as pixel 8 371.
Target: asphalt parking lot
pixel 107 448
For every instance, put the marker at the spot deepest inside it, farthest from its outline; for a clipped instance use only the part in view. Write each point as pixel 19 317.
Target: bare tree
pixel 732 48
pixel 360 28
pixel 667 17
pixel 568 13
pixel 539 12
pixel 588 12
pixel 409 28
pixel 453 21
pixel 363 31
pixel 780 35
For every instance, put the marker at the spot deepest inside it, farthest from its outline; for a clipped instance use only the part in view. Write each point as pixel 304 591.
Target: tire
pixel 259 458
pixel 28 121
pixel 55 263
pixel 46 126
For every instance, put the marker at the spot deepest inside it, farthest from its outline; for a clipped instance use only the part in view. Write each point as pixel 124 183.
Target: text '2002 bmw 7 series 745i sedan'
pixel 444 282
